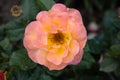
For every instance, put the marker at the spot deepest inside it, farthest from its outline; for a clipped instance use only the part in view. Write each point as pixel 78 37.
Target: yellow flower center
pixel 58 38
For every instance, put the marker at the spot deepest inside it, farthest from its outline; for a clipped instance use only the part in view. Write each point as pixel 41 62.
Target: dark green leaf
pixel 92 77
pixel 108 65
pixel 36 75
pixel 87 61
pixel 115 50
pixel 45 77
pixel 53 73
pixel 88 6
pixel 14 24
pixel 1 30
pixel 117 72
pixel 86 49
pixel 30 9
pixel 68 2
pixel 15 34
pixel 20 59
pixel 116 22
pixel 95 46
pixel 99 4
pixel 118 35
pixel 45 4
pixel 108 19
pixel 4 43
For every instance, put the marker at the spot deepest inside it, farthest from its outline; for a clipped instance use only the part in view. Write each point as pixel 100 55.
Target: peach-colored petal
pixel 76 25
pixel 73 50
pixel 55 56
pixel 45 18
pixel 59 8
pixel 77 58
pixel 38 56
pixel 80 35
pixel 59 21
pixel 75 15
pixel 59 17
pixel 52 66
pixel 82 43
pixel 77 29
pixel 34 36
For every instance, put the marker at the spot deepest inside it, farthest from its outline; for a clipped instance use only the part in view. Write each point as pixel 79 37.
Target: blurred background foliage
pixel 101 60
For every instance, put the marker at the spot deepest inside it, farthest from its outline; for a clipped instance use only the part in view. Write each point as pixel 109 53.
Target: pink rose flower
pixel 57 37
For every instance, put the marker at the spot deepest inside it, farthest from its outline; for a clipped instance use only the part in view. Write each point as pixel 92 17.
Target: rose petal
pixel 52 66
pixel 76 27
pixel 59 17
pixel 45 18
pixel 73 50
pixel 77 58
pixel 59 21
pixel 82 43
pixel 55 56
pixel 75 15
pixel 38 56
pixel 34 36
pixel 59 8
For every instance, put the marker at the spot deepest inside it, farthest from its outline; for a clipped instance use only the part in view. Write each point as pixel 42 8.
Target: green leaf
pixel 92 77
pixel 87 61
pixel 116 22
pixel 108 65
pixel 15 34
pixel 14 24
pixel 21 75
pixel 68 2
pixel 3 65
pixel 115 50
pixel 36 75
pixel 99 4
pixel 86 49
pixel 108 19
pixel 118 35
pixel 53 72
pixel 30 9
pixel 4 43
pixel 117 72
pixel 95 46
pixel 88 5
pixel 20 59
pixel 45 4
pixel 45 77
pixel 1 31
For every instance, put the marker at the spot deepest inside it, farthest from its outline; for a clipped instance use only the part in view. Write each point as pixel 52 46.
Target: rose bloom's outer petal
pixel 82 43
pixel 52 66
pixel 73 51
pixel 55 56
pixel 80 35
pixel 38 56
pixel 59 8
pixel 75 15
pixel 34 36
pixel 77 58
pixel 45 18
pixel 76 27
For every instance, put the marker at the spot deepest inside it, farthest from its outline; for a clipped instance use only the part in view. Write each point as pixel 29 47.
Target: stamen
pixel 58 38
